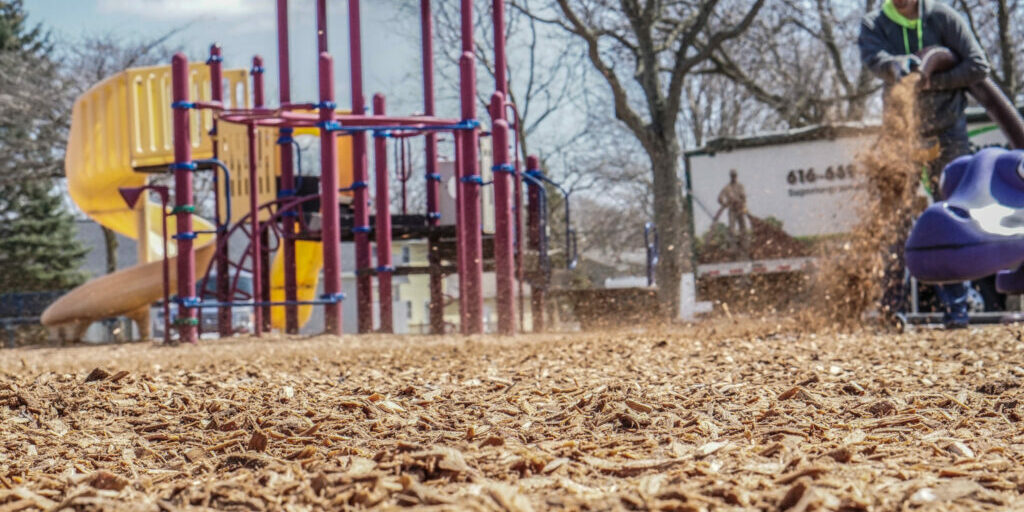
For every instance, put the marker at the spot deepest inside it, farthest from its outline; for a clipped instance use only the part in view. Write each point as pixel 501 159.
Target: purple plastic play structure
pixel 979 229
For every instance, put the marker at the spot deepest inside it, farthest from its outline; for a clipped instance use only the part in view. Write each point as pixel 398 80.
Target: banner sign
pixel 794 187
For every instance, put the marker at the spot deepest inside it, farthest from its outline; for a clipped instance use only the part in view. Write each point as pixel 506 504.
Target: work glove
pixel 904 66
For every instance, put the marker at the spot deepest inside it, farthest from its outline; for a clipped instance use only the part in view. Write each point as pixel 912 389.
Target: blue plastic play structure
pixel 978 230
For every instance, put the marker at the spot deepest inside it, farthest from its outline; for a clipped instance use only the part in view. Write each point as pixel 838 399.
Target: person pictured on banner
pixel 733 200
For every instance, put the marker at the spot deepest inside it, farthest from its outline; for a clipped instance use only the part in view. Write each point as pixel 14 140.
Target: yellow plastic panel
pixel 233 150
pixel 149 100
pixel 309 257
pixel 344 144
pixel 345 163
pixel 344 151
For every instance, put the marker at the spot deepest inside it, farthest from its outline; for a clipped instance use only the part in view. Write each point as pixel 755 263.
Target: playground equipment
pixel 178 120
pixel 119 133
pixel 978 230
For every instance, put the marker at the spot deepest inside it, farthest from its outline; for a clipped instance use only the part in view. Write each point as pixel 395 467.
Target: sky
pixel 244 28
pixel 391 50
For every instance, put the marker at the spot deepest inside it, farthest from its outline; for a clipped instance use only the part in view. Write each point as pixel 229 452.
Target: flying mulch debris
pixel 850 281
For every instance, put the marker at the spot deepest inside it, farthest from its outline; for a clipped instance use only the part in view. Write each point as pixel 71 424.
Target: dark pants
pixel 953 143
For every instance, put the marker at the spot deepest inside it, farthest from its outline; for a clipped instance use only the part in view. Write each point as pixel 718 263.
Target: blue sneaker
pixel 955 320
pixel 954 302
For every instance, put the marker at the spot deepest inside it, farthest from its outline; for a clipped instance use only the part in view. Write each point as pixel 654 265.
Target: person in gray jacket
pixel 889 39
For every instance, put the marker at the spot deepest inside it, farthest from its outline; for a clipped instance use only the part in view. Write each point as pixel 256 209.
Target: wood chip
pixel 258 441
pixel 118 376
pixel 492 441
pixel 721 416
pixel 639 407
pixel 711 448
pixel 793 495
pixel 96 374
pixel 960 449
pixel 789 393
pixel 105 480
pixel 813 471
pixel 842 455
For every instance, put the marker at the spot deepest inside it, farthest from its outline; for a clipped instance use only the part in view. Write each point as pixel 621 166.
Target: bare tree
pixel 547 83
pixel 95 57
pixel 995 23
pixel 800 59
pixel 716 106
pixel 540 77
pixel 645 51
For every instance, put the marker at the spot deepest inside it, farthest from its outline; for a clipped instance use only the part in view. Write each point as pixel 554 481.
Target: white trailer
pixel 806 179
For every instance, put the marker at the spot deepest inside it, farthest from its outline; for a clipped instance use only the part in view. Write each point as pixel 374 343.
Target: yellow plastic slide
pixel 309 258
pixel 120 126
pixel 121 135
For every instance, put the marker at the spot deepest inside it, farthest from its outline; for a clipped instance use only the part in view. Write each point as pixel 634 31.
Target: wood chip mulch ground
pixel 714 417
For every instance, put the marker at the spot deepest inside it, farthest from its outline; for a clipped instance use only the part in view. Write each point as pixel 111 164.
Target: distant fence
pixel 23 309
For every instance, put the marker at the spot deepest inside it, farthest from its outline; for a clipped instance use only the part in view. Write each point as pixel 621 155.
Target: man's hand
pixel 904 66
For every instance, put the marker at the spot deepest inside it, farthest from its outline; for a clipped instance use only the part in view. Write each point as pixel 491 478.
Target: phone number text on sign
pixel 832 173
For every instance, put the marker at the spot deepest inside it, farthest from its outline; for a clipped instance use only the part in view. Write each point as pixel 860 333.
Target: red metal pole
pixel 183 197
pixel 433 179
pixel 382 200
pixel 166 268
pixel 224 324
pixel 360 175
pixel 537 286
pixel 254 226
pixel 259 100
pixel 291 292
pixel 518 205
pixel 500 67
pixel 460 236
pixel 283 61
pixel 330 233
pixel 504 259
pixel 403 173
pixel 470 180
pixel 471 271
pixel 515 229
pixel 321 26
pixel 501 84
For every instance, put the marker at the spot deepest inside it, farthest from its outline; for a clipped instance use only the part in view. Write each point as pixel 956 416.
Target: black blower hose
pixel 936 59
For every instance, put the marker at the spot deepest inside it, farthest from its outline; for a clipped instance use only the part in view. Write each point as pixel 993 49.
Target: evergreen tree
pixel 38 248
pixel 14 33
